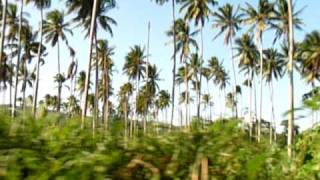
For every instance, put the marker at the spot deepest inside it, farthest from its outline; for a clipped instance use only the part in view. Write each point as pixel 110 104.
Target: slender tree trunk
pixel 272 115
pixel 36 87
pixel 59 74
pixel 250 105
pixel 125 120
pixel 3 27
pixel 91 36
pixel 96 92
pixel 186 96
pixel 291 86
pixel 201 62
pixel 13 112
pixel 261 87
pixel 234 76
pixel 174 63
pixel 147 76
pixel 107 110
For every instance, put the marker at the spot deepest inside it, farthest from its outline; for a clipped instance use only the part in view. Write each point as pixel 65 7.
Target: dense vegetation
pixel 83 134
pixel 55 147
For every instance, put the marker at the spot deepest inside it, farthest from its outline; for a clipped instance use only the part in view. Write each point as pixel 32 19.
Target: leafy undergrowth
pixel 57 148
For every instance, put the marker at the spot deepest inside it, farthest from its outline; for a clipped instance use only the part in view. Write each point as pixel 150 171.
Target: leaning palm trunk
pixel 174 63
pixel 261 87
pixel 91 36
pixel 291 86
pixel 271 125
pixel 36 87
pixel 18 62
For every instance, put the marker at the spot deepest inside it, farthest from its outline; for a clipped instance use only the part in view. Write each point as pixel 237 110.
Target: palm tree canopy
pixel 274 64
pixel 197 10
pixel 184 38
pixel 134 63
pixel 259 18
pixel 309 51
pixel 246 52
pixel 40 4
pixel 55 27
pixel 228 21
pixel 281 24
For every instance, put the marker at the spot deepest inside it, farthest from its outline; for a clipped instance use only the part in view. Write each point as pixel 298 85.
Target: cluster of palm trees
pixel 141 97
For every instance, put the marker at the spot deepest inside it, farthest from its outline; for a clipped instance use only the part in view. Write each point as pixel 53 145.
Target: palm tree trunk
pixel 235 77
pixel 59 82
pixel 261 87
pixel 13 112
pixel 125 120
pixel 250 74
pixel 91 36
pixel 186 96
pixel 272 114
pixel 174 63
pixel 201 62
pixel 291 86
pixel 3 27
pixel 36 87
pixel 107 109
pixel 96 93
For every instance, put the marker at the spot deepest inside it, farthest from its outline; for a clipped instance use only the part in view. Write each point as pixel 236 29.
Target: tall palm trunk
pixel 96 93
pixel 250 74
pixel 291 86
pixel 91 36
pixel 201 62
pixel 3 27
pixel 147 77
pixel 261 87
pixel 59 80
pixel 106 105
pixel 186 96
pixel 234 77
pixel 272 114
pixel 174 63
pixel 36 87
pixel 13 112
pixel 125 119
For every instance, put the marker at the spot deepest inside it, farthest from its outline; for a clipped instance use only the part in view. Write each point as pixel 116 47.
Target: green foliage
pixel 55 147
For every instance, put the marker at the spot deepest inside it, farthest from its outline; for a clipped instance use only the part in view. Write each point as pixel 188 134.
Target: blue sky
pixel 133 16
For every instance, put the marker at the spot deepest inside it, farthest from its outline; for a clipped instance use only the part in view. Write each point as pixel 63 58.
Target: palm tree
pixel 20 26
pixel 184 76
pixel 247 53
pixel 260 19
pixel 173 5
pixel 199 11
pixel 195 71
pixel 134 68
pixel 291 89
pixel 151 87
pixel 54 30
pixel 91 15
pixel 206 100
pixel 228 21
pixel 273 69
pixel 163 101
pixel 3 26
pixel 281 23
pixel 81 80
pixel 41 5
pixel 105 53
pixel 124 94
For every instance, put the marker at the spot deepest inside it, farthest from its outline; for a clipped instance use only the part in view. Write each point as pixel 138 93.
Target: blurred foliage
pixel 55 147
